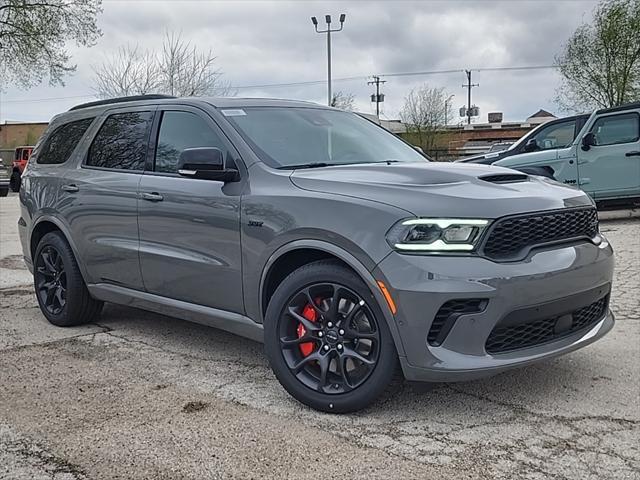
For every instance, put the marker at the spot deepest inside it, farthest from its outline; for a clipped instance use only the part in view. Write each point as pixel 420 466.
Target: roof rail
pixel 109 101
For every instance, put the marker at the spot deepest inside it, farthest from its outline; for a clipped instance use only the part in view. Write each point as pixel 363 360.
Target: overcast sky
pixel 270 41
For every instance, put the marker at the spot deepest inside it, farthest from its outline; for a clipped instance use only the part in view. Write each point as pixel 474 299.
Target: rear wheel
pixel 327 340
pixel 61 292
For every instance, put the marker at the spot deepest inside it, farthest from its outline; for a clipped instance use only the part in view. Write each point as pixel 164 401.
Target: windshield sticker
pixel 233 113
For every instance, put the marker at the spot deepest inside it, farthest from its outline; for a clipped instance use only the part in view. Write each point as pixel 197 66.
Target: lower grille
pixel 448 314
pixel 507 338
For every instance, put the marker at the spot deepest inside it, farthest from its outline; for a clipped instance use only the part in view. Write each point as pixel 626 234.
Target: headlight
pixel 437 234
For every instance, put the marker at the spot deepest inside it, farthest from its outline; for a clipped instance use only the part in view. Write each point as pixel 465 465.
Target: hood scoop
pixel 505 178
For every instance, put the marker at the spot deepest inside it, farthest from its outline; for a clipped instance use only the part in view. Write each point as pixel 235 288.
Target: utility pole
pixel 469 86
pixel 328 31
pixel 447 102
pixel 377 97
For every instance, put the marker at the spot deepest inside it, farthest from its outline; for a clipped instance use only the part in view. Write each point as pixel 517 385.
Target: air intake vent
pixel 449 313
pixel 506 178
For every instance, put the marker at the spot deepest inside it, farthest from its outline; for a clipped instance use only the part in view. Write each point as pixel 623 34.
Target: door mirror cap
pixel 531 145
pixel 588 141
pixel 206 163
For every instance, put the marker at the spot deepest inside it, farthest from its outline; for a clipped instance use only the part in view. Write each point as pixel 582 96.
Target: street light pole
pixel 328 31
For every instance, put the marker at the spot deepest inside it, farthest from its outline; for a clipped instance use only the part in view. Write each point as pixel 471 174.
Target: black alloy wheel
pixel 51 280
pixel 329 338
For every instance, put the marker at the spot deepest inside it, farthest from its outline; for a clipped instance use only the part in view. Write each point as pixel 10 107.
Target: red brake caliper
pixel 309 313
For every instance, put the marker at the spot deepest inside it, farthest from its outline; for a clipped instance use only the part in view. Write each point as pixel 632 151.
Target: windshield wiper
pixel 309 165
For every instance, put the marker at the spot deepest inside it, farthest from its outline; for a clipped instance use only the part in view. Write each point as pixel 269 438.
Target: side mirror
pixel 531 145
pixel 206 163
pixel 588 141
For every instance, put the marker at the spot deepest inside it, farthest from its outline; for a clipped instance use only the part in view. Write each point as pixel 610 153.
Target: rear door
pixel 99 197
pixel 190 228
pixel 611 168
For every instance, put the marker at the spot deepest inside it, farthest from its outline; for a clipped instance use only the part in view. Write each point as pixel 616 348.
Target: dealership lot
pixel 140 395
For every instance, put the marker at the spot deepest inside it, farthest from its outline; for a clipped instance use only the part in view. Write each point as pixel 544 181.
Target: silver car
pixel 342 248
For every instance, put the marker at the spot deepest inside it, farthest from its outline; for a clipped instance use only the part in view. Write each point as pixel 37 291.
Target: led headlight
pixel 437 234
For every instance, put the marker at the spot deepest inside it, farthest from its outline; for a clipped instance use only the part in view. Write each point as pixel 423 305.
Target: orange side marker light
pixel 387 296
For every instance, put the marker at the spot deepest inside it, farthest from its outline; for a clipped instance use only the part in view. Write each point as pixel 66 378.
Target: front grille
pixel 507 338
pixel 511 237
pixel 448 314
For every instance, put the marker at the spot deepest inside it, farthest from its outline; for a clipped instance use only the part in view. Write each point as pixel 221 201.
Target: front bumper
pixel 421 284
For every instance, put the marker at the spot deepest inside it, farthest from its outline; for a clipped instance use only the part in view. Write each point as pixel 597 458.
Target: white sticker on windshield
pixel 233 113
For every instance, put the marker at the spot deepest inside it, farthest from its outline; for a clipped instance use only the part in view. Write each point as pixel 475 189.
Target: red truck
pixel 20 159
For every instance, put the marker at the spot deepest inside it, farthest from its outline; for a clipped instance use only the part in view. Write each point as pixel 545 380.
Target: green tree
pixel 33 36
pixel 600 64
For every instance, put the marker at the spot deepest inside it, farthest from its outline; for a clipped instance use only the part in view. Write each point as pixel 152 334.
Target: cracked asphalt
pixel 138 395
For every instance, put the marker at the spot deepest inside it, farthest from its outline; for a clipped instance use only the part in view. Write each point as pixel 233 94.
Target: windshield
pixel 290 137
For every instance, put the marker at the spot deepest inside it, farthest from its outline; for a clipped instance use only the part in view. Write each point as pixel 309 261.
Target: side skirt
pixel 212 317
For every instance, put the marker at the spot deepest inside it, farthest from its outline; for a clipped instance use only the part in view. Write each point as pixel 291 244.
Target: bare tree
pixel 343 101
pixel 179 69
pixel 33 36
pixel 600 64
pixel 423 112
pixel 129 71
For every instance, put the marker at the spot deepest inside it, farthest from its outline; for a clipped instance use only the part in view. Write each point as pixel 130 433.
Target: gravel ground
pixel 139 395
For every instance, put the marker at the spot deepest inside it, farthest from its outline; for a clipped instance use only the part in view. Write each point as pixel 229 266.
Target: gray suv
pixel 342 248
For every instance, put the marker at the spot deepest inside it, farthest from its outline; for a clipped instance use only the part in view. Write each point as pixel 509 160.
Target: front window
pixel 556 136
pixel 290 137
pixel 615 129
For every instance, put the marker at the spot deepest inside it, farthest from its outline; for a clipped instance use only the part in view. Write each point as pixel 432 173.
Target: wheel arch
pixel 289 257
pixel 47 224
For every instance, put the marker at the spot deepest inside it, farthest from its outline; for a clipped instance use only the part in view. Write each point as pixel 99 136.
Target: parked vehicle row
pixel 20 160
pixel 313 230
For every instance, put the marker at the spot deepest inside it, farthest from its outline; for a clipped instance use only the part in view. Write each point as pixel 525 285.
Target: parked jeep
pixel 603 159
pixel 20 159
pixel 548 136
pixel 316 231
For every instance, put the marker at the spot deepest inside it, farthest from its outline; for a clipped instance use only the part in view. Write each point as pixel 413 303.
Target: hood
pixel 443 189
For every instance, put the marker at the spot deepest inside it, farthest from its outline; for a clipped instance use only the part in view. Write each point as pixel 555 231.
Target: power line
pixel 320 82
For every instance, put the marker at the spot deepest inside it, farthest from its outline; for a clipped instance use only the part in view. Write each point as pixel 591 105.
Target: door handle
pixel 152 197
pixel 71 188
pixel 632 154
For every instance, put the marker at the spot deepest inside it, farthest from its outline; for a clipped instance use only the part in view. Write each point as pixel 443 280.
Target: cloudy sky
pixel 271 41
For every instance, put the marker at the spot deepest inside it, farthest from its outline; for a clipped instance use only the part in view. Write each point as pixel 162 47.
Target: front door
pixel 189 228
pixel 611 167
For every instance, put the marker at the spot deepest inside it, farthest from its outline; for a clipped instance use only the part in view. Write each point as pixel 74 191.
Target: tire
pixel 4 192
pixel 60 289
pixel 14 182
pixel 366 335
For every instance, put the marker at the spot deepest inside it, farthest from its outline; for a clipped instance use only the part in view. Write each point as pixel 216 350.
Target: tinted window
pixel 556 136
pixel 180 130
pixel 58 147
pixel 616 129
pixel 284 137
pixel 121 142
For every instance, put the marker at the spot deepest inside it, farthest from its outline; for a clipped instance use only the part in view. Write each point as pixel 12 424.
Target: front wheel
pixel 327 340
pixel 4 192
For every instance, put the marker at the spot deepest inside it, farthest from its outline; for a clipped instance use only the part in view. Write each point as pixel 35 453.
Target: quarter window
pixel 556 136
pixel 121 142
pixel 616 129
pixel 59 146
pixel 180 130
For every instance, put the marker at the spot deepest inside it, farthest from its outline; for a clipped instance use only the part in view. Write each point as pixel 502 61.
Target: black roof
pixel 626 106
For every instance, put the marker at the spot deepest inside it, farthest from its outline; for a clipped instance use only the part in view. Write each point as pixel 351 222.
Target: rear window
pixel 121 143
pixel 59 146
